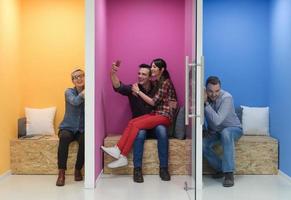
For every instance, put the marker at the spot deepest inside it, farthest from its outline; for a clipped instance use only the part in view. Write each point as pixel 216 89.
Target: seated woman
pixel 163 113
pixel 72 127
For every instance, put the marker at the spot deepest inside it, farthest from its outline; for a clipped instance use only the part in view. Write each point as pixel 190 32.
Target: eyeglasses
pixel 76 77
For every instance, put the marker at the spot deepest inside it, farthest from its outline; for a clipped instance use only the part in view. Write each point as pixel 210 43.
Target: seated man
pixel 72 127
pixel 223 126
pixel 138 108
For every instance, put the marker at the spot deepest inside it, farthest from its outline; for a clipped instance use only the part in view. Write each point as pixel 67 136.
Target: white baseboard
pixel 99 177
pixel 282 174
pixel 5 174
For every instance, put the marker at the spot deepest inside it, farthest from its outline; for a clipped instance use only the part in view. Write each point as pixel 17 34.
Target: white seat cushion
pixel 40 121
pixel 255 120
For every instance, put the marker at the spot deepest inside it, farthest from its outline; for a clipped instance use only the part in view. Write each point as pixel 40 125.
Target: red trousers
pixel 147 121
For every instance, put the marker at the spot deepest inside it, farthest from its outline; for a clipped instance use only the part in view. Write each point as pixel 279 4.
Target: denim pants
pixel 227 138
pixel 160 133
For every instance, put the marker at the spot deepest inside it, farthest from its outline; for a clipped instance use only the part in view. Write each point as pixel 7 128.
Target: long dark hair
pixel 160 63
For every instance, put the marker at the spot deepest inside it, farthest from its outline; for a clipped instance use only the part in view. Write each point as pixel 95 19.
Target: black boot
pixel 78 175
pixel 217 175
pixel 228 179
pixel 164 174
pixel 137 175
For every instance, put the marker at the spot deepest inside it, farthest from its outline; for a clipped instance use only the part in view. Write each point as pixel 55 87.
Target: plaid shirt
pixel 163 96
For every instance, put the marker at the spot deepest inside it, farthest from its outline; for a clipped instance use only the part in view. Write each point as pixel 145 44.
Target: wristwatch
pixel 137 92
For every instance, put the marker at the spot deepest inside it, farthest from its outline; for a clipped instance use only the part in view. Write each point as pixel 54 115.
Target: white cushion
pixel 255 120
pixel 40 121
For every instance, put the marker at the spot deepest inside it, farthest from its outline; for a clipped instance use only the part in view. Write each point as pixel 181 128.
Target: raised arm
pixel 114 78
pixel 146 98
pixel 118 86
pixel 160 94
pixel 74 99
pixel 218 117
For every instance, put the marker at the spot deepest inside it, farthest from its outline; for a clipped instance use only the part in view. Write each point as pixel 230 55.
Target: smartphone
pixel 117 63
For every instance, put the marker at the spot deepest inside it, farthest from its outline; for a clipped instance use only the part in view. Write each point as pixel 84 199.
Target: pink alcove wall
pixel 136 31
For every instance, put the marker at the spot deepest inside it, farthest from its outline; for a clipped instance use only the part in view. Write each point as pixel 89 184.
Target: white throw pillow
pixel 255 120
pixel 40 121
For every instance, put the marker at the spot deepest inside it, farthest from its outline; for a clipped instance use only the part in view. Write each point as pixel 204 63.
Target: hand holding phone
pixel 115 66
pixel 117 63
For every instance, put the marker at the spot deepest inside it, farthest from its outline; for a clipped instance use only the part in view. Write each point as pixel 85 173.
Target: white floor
pixel 27 187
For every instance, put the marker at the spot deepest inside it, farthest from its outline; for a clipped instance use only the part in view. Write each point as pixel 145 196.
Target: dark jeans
pixel 160 133
pixel 66 137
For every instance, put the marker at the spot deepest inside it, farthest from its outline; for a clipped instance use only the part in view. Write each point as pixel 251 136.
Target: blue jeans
pixel 227 138
pixel 159 132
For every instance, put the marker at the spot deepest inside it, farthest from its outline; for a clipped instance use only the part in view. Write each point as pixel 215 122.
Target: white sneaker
pixel 112 151
pixel 122 161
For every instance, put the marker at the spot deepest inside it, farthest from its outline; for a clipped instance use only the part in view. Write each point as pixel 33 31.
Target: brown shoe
pixel 78 175
pixel 61 178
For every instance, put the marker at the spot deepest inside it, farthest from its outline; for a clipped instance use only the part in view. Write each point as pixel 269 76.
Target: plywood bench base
pixel 179 157
pixel 254 155
pixel 39 156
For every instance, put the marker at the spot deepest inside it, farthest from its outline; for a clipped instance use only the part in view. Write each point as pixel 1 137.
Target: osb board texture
pixel 179 157
pixel 39 156
pixel 254 155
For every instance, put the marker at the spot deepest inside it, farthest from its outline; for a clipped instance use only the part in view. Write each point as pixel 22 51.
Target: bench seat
pixel 179 157
pixel 254 155
pixel 39 156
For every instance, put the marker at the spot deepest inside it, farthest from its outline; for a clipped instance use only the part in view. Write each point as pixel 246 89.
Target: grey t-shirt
pixel 221 113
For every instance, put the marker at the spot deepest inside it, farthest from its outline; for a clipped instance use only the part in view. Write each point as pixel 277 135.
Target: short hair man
pixel 138 108
pixel 72 127
pixel 223 126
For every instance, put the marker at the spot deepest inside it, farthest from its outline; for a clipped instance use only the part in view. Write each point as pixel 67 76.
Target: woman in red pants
pixel 164 103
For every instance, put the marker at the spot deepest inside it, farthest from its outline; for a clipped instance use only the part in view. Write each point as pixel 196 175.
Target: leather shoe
pixel 137 175
pixel 61 178
pixel 78 175
pixel 217 175
pixel 164 174
pixel 228 179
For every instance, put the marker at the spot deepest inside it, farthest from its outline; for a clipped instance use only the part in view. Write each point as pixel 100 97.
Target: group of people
pixel 153 102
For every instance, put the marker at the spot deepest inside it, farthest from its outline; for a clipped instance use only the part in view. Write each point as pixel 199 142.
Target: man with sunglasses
pixel 224 127
pixel 72 127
